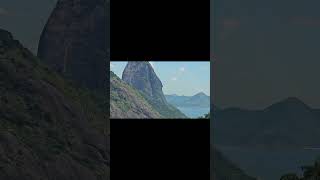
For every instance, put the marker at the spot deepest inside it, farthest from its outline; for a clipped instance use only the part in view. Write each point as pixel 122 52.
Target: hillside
pixel 141 76
pixel 289 123
pixel 127 102
pixel 223 169
pixel 50 129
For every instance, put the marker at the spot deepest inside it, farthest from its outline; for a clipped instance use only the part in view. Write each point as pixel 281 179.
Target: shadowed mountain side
pixel 289 123
pixel 49 129
pixel 140 75
pixel 127 102
pixel 222 168
pixel 75 41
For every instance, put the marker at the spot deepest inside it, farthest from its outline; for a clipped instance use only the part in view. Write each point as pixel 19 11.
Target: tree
pixel 310 172
pixel 206 116
pixel 289 176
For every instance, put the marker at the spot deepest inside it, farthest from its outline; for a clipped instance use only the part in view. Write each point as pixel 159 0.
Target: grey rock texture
pixel 76 41
pixel 140 75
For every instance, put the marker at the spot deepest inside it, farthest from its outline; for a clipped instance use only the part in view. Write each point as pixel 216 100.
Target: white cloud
pixel 173 78
pixel 182 69
pixel 112 65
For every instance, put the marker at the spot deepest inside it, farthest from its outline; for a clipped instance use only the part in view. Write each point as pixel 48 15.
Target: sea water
pixel 194 112
pixel 266 164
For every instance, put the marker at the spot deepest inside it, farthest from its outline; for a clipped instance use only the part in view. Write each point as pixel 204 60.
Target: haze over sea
pixel 266 164
pixel 194 112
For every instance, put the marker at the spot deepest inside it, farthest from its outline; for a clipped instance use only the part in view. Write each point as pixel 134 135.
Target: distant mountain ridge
pixel 288 123
pixel 198 100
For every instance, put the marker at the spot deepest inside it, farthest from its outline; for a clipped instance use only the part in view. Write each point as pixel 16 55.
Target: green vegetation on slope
pixel 50 123
pixel 166 110
pixel 127 102
pixel 141 76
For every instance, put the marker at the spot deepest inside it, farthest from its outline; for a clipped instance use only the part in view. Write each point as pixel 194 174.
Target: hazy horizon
pixel 265 52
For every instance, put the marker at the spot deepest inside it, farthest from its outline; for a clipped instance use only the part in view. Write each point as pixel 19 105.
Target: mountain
pixel 222 169
pixel 127 102
pixel 289 123
pixel 198 100
pixel 141 76
pixel 76 41
pixel 49 128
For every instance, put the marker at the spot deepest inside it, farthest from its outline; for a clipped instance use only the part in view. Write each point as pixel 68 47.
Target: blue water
pixel 270 164
pixel 194 112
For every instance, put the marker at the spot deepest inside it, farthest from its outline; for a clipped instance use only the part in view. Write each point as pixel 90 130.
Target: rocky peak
pixel 141 75
pixel 5 35
pixel 290 104
pixel 75 41
pixel 7 41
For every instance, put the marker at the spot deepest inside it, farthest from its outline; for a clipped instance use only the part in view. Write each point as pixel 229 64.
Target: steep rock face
pixel 75 41
pixel 48 128
pixel 140 75
pixel 127 102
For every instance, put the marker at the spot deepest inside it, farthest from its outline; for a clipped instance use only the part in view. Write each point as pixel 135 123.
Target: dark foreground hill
pixel 49 129
pixel 222 168
pixel 127 102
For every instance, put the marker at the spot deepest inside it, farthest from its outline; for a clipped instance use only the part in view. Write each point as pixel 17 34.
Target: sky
pixel 25 19
pixel 265 51
pixel 181 78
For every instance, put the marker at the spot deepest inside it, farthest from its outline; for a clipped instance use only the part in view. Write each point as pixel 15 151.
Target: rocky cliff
pixel 75 41
pixel 127 102
pixel 49 129
pixel 140 75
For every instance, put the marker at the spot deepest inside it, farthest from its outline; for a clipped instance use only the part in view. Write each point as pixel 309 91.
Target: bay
pixel 194 112
pixel 266 164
